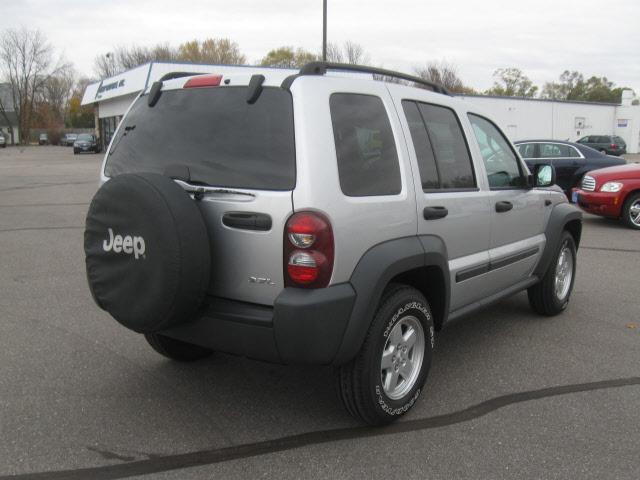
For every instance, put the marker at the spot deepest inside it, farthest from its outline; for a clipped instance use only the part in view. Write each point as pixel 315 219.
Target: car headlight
pixel 611 187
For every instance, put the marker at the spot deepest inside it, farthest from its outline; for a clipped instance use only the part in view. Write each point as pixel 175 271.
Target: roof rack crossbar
pixel 320 68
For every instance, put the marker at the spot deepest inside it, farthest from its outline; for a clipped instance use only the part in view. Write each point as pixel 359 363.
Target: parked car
pixel 612 192
pixel 609 144
pixel 69 139
pixel 86 142
pixel 571 160
pixel 3 141
pixel 43 139
pixel 224 225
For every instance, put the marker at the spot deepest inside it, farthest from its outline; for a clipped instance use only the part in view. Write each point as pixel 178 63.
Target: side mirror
pixel 544 175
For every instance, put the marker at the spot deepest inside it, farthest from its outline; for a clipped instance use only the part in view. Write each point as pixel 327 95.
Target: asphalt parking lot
pixel 510 394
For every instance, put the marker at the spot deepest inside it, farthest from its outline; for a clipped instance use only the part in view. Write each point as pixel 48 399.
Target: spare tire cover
pixel 147 251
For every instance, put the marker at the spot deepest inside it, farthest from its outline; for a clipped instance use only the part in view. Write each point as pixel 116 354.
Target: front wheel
pixel 551 295
pixel 631 211
pixel 386 378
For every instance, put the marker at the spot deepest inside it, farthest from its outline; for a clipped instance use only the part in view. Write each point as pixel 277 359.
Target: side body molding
pixel 376 268
pixel 562 215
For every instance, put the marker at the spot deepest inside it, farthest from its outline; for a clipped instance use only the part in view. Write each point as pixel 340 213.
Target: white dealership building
pixel 520 118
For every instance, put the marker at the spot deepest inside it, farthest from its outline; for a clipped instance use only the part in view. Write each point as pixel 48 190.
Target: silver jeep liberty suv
pixel 325 218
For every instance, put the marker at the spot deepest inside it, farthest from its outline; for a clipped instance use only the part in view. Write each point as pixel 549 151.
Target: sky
pixel 542 38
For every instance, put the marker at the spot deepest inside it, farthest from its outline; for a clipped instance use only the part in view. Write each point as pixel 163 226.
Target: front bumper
pixel 599 203
pixel 303 327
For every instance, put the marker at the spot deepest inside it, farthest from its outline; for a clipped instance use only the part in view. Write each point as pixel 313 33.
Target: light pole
pixel 324 30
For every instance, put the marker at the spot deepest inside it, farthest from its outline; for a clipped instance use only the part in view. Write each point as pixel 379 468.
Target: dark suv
pixel 609 144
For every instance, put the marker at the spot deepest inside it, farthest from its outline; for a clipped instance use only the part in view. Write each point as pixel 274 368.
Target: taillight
pixel 203 81
pixel 613 146
pixel 308 250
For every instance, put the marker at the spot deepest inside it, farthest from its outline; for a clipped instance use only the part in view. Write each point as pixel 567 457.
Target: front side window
pixel 501 163
pixel 365 147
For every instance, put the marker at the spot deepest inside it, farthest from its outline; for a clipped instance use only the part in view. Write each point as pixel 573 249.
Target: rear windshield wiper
pixel 200 189
pixel 127 129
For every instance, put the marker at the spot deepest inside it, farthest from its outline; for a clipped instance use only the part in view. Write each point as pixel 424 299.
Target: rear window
pixel 365 148
pixel 222 139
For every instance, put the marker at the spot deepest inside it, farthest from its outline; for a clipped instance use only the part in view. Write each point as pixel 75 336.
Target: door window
pixel 501 163
pixel 441 148
pixel 365 147
pixel 555 150
pixel 526 150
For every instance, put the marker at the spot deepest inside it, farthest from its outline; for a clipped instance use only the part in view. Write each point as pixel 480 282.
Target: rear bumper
pixel 303 326
pixel 598 203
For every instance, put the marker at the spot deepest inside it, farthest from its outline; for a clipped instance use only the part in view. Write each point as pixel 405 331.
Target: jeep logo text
pixel 126 244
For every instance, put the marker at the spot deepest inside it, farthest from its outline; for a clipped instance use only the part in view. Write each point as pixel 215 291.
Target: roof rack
pixel 320 68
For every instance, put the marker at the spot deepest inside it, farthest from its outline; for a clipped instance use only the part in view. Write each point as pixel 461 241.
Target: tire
pixel 602 150
pixel 176 349
pixel 75 152
pixel 146 252
pixel 631 205
pixel 544 297
pixel 360 382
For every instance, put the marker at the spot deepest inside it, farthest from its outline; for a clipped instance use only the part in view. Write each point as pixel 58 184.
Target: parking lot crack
pixel 219 455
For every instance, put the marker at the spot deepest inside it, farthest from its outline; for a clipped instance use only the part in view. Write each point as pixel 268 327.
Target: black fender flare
pixel 376 268
pixel 561 215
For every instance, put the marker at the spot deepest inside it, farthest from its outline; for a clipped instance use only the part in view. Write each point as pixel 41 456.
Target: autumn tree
pixel 79 116
pixel 27 63
pixel 512 82
pixel 288 57
pixel 218 51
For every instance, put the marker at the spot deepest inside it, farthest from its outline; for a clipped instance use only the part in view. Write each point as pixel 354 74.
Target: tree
pixel 56 93
pixel 219 51
pixel 26 60
pixel 573 86
pixel 350 52
pixel 511 82
pixel 444 74
pixel 79 116
pixel 287 57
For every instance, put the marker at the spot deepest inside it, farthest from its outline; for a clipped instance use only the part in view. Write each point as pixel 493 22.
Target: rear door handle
pixel 503 206
pixel 433 213
pixel 247 220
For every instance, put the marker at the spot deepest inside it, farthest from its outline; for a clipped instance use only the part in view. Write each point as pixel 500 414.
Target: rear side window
pixel 424 152
pixel 526 150
pixel 223 140
pixel 440 146
pixel 365 147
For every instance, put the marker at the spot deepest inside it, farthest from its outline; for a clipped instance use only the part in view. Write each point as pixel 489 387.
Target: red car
pixel 611 192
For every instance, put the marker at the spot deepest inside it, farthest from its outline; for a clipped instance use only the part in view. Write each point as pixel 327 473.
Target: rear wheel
pixel 176 349
pixel 386 378
pixel 631 211
pixel 602 150
pixel 551 295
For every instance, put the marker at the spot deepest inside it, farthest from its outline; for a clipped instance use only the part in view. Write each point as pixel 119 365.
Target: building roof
pixel 139 78
pixel 533 99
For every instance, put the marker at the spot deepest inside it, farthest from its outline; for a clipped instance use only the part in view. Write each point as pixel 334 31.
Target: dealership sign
pixel 622 123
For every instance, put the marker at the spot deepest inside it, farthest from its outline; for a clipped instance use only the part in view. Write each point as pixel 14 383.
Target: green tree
pixel 511 82
pixel 287 57
pixel 573 86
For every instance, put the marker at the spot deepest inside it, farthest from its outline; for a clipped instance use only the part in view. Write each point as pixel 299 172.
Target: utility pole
pixel 324 30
